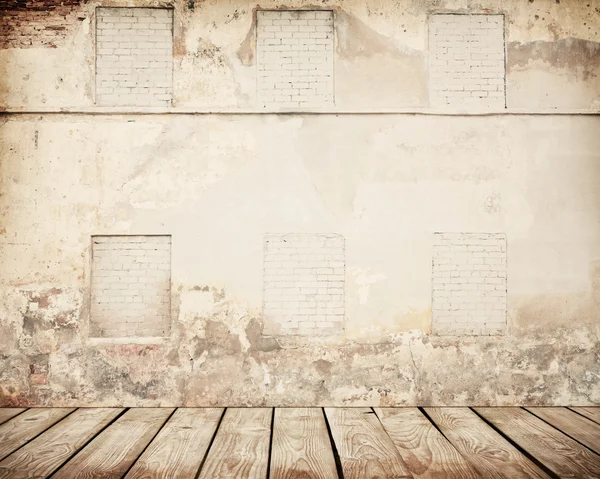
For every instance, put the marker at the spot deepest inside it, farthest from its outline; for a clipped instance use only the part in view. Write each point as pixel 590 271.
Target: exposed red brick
pixel 38 379
pixel 36 23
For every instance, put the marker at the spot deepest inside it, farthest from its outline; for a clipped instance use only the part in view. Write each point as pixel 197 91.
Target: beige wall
pixel 387 182
pixel 381 56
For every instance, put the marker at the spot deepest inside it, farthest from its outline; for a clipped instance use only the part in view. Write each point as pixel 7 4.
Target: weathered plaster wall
pixel 381 58
pixel 218 183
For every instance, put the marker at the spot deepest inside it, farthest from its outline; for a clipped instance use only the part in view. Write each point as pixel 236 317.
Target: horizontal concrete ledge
pixel 233 112
pixel 115 341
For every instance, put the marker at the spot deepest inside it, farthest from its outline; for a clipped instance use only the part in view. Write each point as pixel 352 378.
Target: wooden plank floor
pixel 301 443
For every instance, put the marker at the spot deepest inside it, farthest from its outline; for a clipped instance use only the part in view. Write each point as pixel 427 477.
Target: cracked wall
pixel 270 178
pixel 217 183
pixel 381 51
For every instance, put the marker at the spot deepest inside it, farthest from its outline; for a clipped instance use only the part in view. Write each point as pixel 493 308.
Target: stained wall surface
pixel 309 245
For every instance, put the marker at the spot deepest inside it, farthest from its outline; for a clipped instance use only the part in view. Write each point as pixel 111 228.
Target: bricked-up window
pixel 134 56
pixel 469 283
pixel 295 58
pixel 131 283
pixel 304 284
pixel 466 61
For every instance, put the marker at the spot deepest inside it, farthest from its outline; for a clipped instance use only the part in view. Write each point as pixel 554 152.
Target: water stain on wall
pixel 365 58
pixel 581 58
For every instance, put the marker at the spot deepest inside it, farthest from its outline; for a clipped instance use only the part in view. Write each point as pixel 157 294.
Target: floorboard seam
pixel 446 438
pixel 270 444
pixel 111 422
pixel 11 418
pixel 529 456
pixel 149 442
pixel 336 455
pixel 391 440
pixel 561 431
pixel 208 448
pixel 583 415
pixel 39 434
pixel 387 433
pixel 422 410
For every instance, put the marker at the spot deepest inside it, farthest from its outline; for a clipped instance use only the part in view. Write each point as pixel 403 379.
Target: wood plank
pixel 7 413
pixel 578 427
pixel 47 452
pixel 114 450
pixel 488 452
pixel 426 452
pixel 559 453
pixel 24 427
pixel 301 445
pixel 180 446
pixel 241 446
pixel 364 448
pixel 592 413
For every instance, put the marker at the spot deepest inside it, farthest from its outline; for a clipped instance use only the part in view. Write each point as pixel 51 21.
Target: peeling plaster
pixel 217 183
pixel 364 279
pixel 574 56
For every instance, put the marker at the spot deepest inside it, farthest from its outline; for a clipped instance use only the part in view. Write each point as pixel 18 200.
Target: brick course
pixel 466 60
pixel 304 284
pixel 469 283
pixel 134 56
pixel 295 58
pixel 131 281
pixel 35 24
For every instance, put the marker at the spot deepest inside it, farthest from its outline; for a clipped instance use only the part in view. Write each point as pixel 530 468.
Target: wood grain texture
pixel 301 445
pixel 578 427
pixel 488 452
pixel 114 450
pixel 24 427
pixel 426 452
pixel 592 413
pixel 180 446
pixel 558 452
pixel 7 413
pixel 47 452
pixel 241 447
pixel 364 448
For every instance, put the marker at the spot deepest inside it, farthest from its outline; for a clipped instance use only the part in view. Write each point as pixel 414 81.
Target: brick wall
pixel 134 62
pixel 469 283
pixel 34 24
pixel 131 281
pixel 295 58
pixel 466 58
pixel 304 284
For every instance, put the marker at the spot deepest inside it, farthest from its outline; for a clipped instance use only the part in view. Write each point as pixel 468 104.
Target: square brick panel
pixel 131 286
pixel 469 283
pixel 304 284
pixel 466 61
pixel 134 56
pixel 295 59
